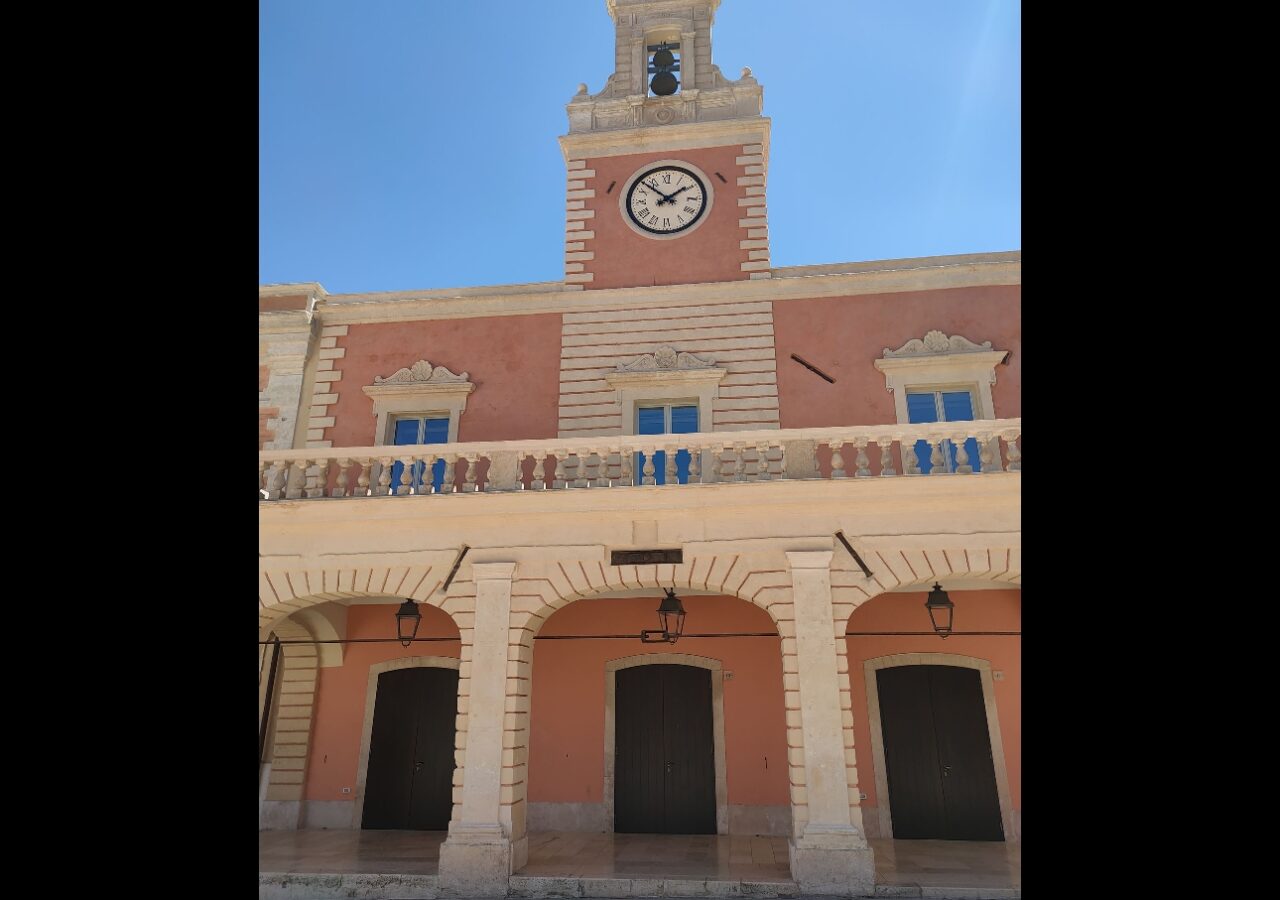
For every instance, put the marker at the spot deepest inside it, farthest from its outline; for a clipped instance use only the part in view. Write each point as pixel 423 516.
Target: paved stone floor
pixel 727 857
pixel 959 864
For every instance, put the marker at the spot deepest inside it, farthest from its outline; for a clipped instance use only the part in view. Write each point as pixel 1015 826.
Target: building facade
pixel 801 454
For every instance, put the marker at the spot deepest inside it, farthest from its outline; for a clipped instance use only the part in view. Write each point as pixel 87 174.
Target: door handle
pixel 418 765
pixel 946 770
pixel 668 768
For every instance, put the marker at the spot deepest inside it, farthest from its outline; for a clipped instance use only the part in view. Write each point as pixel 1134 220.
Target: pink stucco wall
pixel 624 258
pixel 566 753
pixel 514 362
pixel 338 718
pixel 842 336
pixel 996 610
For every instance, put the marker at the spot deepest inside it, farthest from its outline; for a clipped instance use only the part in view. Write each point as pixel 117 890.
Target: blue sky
pixel 411 144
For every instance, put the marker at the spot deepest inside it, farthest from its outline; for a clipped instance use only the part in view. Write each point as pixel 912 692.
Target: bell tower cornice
pixel 627 100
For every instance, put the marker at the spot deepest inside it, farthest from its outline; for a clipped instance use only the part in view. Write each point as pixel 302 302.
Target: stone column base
pixel 475 862
pixel 840 865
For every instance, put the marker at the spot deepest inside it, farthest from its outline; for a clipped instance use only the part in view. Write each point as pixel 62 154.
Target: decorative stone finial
pixel 666 358
pixel 422 372
pixel 935 342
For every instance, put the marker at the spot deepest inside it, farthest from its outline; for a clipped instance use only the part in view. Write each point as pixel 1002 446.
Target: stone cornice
pixel 677 136
pixel 893 276
pixel 310 288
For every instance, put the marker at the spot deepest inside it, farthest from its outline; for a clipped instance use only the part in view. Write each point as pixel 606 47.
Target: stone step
pixel 525 886
pixel 304 886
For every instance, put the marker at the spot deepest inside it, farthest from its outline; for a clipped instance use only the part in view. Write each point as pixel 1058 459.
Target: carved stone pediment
pixel 422 372
pixel 667 359
pixel 935 343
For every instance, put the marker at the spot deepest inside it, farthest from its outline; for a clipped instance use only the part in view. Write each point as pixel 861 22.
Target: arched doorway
pixel 943 727
pixel 937 753
pixel 408 776
pixel 664 745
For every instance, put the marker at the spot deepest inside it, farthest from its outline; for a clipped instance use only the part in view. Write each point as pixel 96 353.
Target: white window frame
pixel 667 387
pixel 971 371
pixel 430 401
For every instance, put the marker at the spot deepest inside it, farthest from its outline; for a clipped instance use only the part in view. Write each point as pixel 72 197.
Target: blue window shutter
pixel 436 432
pixel 684 420
pixel 957 406
pixel 649 420
pixel 921 408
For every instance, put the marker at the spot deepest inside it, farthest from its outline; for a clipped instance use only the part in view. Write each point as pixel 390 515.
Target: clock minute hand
pixel 665 197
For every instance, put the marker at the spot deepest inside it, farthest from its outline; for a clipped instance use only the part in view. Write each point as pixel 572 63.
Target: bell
pixel 664 84
pixel 663 59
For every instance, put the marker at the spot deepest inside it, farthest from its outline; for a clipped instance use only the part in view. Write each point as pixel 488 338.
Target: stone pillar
pixel 830 855
pixel 475 860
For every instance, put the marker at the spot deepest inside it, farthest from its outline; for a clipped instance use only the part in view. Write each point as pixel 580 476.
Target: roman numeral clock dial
pixel 665 200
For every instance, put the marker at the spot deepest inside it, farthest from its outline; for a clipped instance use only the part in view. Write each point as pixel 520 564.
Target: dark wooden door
pixel 937 750
pixel 410 780
pixel 664 769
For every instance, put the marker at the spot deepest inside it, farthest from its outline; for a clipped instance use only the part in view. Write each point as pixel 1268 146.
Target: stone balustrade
pixel 880 451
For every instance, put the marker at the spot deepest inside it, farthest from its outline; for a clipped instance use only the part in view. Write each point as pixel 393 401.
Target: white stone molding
pixel 708 189
pixel 871 666
pixel 418 390
pixel 716 668
pixel 666 357
pixel 939 362
pixel 370 704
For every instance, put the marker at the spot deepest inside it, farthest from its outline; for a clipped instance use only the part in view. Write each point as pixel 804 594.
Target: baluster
pixel 647 470
pixel 762 462
pixel 609 479
pixel 672 473
pixel 725 466
pixel 937 458
pixel 625 475
pixel 384 477
pixel 469 485
pixel 985 452
pixel 262 468
pixel 837 460
pixel 340 487
pixel 740 462
pixel 1015 455
pixel 863 464
pixel 600 468
pixel 405 487
pixel 426 483
pixel 561 478
pixel 317 479
pixel 276 480
pixel 579 469
pixel 964 465
pixel 782 460
pixel 910 461
pixel 538 481
pixel 449 483
pixel 362 480
pixel 886 457
pixel 695 465
pixel 296 480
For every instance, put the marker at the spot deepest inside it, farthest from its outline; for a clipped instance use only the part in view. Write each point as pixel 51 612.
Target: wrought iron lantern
pixel 407 621
pixel 671 615
pixel 941 610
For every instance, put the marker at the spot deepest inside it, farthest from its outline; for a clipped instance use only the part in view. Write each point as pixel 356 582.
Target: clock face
pixel 666 200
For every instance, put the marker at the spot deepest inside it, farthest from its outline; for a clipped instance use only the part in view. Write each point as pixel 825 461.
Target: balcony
pixel 639 462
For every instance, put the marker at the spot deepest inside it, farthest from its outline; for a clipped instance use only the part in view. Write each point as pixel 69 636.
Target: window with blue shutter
pixel 420 431
pixel 942 406
pixel 681 419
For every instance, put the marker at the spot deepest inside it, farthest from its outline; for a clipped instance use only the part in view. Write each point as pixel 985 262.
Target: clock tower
pixel 666 165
